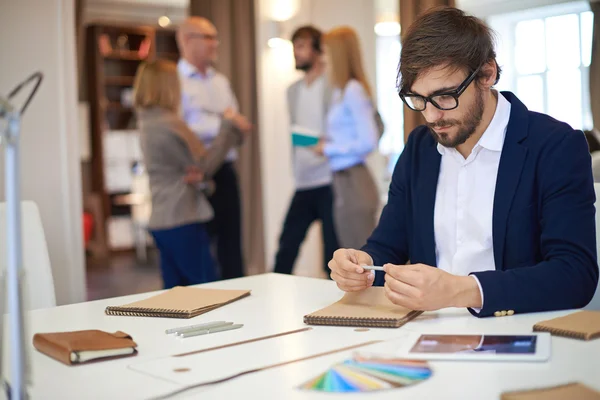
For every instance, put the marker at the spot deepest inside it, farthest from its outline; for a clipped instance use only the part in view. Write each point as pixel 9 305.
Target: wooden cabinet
pixel 113 55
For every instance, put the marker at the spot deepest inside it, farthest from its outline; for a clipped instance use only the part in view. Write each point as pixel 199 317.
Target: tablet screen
pixel 496 344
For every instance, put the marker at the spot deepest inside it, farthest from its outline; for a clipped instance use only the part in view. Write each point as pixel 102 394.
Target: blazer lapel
pixel 427 188
pixel 509 173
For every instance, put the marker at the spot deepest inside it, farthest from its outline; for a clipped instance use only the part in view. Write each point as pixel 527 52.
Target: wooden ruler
pixel 252 371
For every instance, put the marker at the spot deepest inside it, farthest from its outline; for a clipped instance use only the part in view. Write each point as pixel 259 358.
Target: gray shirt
pixel 168 148
pixel 307 106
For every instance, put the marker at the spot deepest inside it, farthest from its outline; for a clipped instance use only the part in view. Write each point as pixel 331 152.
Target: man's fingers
pixel 350 284
pixel 402 273
pixel 347 261
pixel 402 288
pixel 348 273
pixel 399 299
pixel 353 275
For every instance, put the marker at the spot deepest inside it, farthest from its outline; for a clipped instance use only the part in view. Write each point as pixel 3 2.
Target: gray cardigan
pixel 310 169
pixel 168 148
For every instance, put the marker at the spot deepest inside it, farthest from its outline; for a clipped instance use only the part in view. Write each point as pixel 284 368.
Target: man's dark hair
pixel 309 32
pixel 445 36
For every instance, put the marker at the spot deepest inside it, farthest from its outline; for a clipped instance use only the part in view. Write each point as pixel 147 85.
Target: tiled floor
pixel 123 274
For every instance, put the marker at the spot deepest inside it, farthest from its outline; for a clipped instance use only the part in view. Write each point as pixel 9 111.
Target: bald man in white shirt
pixel 207 95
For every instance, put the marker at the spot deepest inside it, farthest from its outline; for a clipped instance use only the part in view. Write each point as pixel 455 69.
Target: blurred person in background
pixel 206 98
pixel 178 167
pixel 351 135
pixel 308 102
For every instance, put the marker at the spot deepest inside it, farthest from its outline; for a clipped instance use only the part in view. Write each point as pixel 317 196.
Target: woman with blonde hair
pixel 351 134
pixel 178 167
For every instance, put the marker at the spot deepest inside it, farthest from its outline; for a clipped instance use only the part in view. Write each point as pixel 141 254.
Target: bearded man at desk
pixel 492 204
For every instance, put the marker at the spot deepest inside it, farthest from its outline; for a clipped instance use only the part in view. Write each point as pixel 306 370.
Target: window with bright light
pixel 545 55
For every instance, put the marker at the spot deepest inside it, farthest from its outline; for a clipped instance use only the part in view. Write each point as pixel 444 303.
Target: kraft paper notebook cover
pixel 583 325
pixel 179 302
pixel 368 308
pixel 574 391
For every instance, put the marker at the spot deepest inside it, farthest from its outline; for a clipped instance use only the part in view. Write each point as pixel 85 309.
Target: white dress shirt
pixel 204 99
pixel 351 128
pixel 465 199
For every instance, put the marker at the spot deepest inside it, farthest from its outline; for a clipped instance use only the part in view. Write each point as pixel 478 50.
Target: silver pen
pixel 205 325
pixel 212 330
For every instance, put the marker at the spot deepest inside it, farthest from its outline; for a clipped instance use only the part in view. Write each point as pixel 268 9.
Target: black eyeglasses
pixel 204 36
pixel 444 101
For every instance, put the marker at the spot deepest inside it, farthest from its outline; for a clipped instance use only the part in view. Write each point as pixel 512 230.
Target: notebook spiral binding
pixel 137 312
pixel 360 321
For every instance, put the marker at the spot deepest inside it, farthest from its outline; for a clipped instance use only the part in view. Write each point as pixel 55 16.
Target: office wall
pixel 39 35
pixel 134 11
pixel 275 73
pixel 486 8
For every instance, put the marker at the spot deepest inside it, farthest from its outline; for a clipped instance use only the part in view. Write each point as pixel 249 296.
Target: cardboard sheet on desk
pixel 232 360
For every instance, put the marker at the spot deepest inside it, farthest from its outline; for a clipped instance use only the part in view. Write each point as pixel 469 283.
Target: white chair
pixel 39 284
pixel 595 303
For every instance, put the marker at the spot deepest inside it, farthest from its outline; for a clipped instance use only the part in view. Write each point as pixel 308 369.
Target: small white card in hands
pixel 372 267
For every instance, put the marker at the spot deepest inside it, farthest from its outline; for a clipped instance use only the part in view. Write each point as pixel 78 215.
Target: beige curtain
pixel 234 20
pixel 79 42
pixel 595 66
pixel 409 10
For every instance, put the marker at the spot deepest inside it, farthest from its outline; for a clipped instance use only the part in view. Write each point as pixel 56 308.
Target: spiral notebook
pixel 179 302
pixel 584 325
pixel 367 308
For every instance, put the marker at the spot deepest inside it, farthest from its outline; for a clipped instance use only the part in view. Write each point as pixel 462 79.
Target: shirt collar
pixel 493 137
pixel 190 71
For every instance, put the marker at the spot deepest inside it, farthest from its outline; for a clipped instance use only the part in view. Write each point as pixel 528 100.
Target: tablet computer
pixel 470 347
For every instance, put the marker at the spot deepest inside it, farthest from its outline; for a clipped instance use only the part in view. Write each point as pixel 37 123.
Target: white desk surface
pixel 277 304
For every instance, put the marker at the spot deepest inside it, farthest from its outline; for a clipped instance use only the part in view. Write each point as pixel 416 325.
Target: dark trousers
pixel 225 229
pixel 307 206
pixel 185 257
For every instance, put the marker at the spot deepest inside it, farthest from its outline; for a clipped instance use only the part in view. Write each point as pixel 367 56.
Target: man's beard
pixel 466 128
pixel 304 67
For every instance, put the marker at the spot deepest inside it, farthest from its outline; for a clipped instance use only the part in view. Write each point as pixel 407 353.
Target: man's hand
pixel 348 272
pixel 193 175
pixel 425 288
pixel 319 148
pixel 238 120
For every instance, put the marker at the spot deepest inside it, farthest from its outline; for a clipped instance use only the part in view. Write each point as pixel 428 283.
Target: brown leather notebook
pixel 583 325
pixel 179 302
pixel 79 347
pixel 574 391
pixel 368 308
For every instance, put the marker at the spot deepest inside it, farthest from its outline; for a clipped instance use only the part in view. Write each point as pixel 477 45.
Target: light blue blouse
pixel 351 129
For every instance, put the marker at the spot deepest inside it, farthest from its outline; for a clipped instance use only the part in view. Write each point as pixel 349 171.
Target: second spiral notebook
pixel 367 308
pixel 179 302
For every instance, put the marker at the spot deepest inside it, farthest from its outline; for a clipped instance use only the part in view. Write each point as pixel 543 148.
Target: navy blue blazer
pixel 544 233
